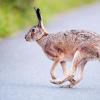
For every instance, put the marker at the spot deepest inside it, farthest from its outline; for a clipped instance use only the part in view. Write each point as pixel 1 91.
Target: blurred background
pixel 16 15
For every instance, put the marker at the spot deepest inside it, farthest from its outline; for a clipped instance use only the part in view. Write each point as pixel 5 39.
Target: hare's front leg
pixel 52 72
pixel 63 65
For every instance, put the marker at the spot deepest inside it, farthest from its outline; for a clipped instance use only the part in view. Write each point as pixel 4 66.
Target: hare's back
pixel 81 35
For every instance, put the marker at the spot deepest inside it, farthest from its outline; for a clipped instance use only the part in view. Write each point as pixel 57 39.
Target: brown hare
pixel 77 45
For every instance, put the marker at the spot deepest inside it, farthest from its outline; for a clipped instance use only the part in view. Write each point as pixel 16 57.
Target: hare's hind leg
pixel 74 82
pixel 79 59
pixel 76 61
pixel 82 65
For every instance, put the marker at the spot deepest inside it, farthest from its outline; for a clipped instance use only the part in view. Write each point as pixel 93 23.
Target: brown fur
pixel 77 45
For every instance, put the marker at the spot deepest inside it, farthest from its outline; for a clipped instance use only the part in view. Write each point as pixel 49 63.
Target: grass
pixel 14 16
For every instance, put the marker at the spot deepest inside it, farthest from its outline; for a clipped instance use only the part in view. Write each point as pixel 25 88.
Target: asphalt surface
pixel 24 69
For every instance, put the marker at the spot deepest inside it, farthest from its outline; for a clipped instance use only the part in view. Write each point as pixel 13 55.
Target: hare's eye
pixel 33 30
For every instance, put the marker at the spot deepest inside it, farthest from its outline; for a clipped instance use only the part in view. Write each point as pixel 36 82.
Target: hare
pixel 77 45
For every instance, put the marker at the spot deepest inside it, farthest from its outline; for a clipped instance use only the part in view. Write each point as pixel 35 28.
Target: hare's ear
pixel 38 13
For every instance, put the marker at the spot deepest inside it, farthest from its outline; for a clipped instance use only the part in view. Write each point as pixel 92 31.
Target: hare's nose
pixel 25 36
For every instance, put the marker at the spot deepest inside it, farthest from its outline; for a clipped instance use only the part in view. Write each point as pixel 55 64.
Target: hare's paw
pixel 53 76
pixel 70 78
pixel 67 86
pixel 70 85
pixel 56 81
pixel 73 81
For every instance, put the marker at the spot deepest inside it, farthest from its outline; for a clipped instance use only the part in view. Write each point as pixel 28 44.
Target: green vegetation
pixel 18 14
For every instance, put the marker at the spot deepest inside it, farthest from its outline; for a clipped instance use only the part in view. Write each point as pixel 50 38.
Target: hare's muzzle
pixel 27 38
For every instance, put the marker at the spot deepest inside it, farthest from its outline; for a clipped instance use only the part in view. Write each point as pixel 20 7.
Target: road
pixel 24 69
